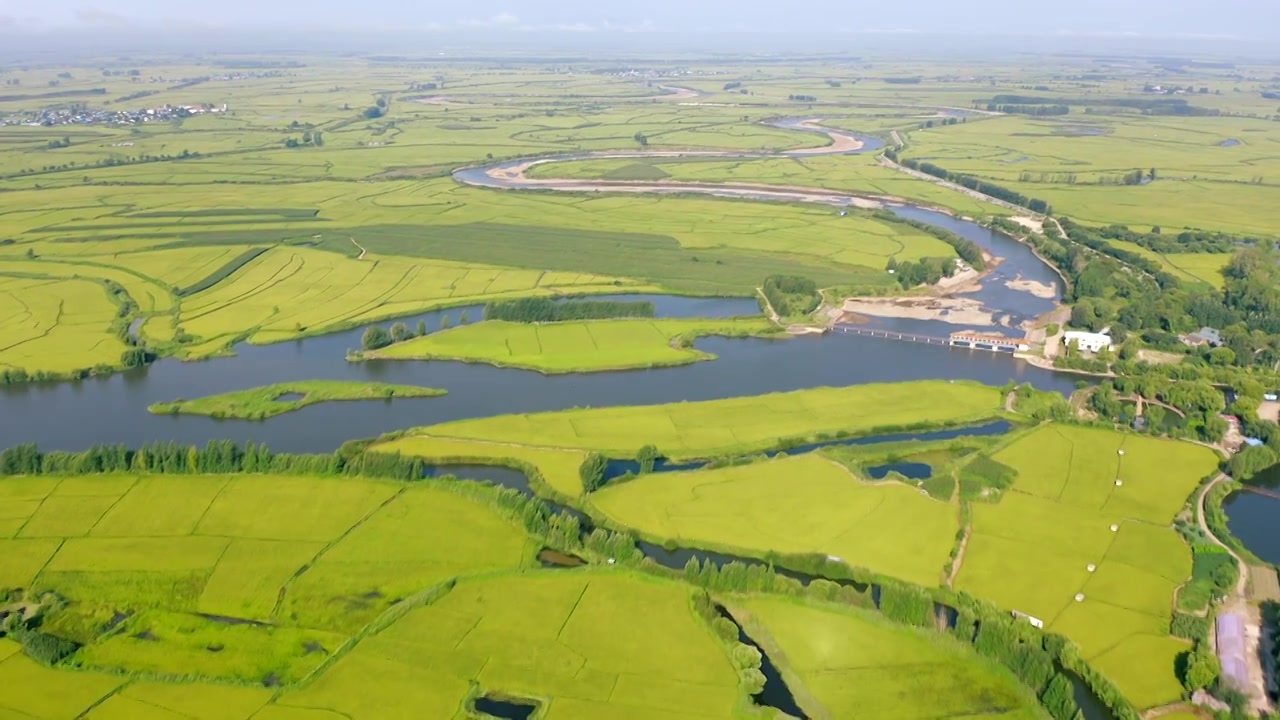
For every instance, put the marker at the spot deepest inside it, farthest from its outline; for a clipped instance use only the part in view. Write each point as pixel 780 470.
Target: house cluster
pixel 102 116
pixel 1204 336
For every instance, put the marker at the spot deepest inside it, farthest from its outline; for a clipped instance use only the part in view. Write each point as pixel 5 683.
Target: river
pixel 113 409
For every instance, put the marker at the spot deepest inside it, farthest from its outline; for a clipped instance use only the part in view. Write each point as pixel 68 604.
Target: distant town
pixel 76 115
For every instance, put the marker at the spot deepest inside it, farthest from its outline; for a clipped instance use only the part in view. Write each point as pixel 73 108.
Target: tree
pixel 400 332
pixel 646 456
pixel 374 338
pixel 641 139
pixel 1151 175
pixel 464 318
pixel 592 472
pixel 422 328
pixel 1200 669
pixel 382 102
pixel 373 113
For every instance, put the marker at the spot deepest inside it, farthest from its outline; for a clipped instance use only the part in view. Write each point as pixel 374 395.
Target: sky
pixel 1219 19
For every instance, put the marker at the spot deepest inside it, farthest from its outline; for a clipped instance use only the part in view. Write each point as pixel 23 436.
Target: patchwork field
pixel 853 664
pixel 273 573
pixel 1075 162
pixel 271 400
pixel 584 346
pixel 804 504
pixel 1032 550
pixel 738 425
pixel 582 644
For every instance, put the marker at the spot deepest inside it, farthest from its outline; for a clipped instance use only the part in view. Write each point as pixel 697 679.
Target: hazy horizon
pixel 1243 19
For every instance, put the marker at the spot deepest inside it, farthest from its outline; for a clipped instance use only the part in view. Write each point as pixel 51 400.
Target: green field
pixel 583 644
pixel 738 425
pixel 324 597
pixel 1031 550
pixel 271 400
pixel 558 466
pixel 584 346
pixel 1073 162
pixel 56 325
pixel 854 664
pixel 266 570
pixel 804 505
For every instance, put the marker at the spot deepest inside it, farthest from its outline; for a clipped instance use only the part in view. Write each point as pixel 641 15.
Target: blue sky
pixel 1259 19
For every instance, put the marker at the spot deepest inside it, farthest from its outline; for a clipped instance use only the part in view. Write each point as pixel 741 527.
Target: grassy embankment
pixel 573 347
pixel 191 593
pixel 270 400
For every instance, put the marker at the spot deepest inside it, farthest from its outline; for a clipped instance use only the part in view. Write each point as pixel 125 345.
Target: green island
pixel 863 521
pixel 575 347
pixel 270 400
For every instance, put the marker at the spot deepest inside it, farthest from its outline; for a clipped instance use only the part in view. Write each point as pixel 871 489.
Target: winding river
pixel 113 409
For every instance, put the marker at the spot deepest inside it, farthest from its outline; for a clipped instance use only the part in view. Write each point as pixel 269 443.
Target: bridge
pixel 972 340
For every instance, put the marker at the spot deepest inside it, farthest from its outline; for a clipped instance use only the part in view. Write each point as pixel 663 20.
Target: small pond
pixel 505 708
pixel 909 470
pixel 1229 143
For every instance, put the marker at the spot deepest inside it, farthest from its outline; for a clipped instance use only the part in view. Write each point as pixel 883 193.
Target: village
pixel 79 115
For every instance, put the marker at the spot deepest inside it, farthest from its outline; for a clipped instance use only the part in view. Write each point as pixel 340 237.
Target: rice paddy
pixel 586 346
pixel 852 663
pixel 1033 550
pixel 800 505
pixel 239 577
pixel 271 400
pixel 738 425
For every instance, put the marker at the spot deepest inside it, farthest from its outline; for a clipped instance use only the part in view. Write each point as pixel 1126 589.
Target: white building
pixel 1088 341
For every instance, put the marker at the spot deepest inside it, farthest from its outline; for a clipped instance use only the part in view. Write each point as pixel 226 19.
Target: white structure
pixel 1035 621
pixel 1088 341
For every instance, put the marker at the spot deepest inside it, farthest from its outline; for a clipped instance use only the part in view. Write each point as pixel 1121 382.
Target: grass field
pixel 804 504
pixel 585 346
pixel 852 663
pixel 271 400
pixel 241 578
pixel 1068 161
pixel 56 325
pixel 1205 268
pixel 1031 551
pixel 737 425
pixel 583 644
pixel 559 467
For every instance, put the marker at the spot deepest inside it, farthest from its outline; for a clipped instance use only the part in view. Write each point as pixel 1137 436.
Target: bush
pixel 47 649
pixel 1190 627
pixel 375 338
pixel 537 310
pixel 591 471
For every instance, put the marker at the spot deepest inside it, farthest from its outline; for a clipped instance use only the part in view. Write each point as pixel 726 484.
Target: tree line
pixel 542 310
pixel 216 457
pixel 974 183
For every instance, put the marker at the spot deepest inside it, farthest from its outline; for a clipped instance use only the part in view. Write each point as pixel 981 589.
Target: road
pixel 1238 603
